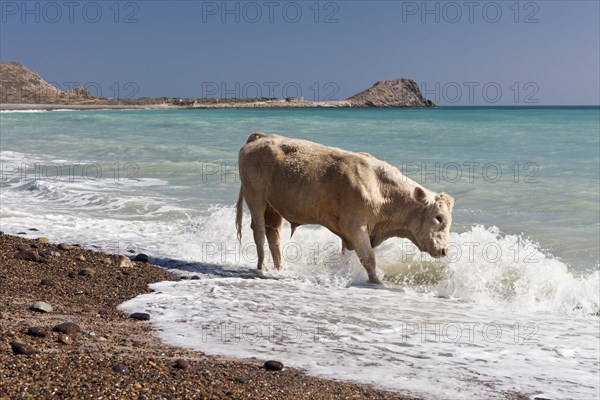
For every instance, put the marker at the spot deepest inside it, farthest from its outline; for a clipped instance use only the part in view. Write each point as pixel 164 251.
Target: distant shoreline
pixel 224 104
pixel 170 106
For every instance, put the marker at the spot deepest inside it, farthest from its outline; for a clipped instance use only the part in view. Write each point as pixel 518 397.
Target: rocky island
pixel 23 89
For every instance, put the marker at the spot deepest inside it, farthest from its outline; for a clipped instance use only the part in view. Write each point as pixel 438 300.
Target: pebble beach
pixel 85 348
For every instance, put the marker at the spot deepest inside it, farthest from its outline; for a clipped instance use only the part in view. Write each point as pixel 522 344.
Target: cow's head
pixel 431 234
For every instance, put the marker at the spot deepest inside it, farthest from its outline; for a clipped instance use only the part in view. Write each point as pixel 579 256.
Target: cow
pixel 359 198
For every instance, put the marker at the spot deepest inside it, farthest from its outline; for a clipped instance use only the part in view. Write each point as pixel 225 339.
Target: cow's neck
pixel 401 212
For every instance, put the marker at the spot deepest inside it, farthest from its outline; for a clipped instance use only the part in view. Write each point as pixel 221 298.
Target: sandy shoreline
pixel 110 340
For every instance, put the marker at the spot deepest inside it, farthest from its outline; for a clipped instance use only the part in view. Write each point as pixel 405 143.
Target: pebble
pixel 195 278
pixel 120 369
pixel 21 233
pixel 23 247
pixel 41 306
pixel 87 272
pixel 182 364
pixel 122 261
pixel 241 380
pixel 65 339
pixel 273 365
pixel 68 328
pixel 22 349
pixel 42 239
pixel 4 347
pixel 106 261
pixel 34 229
pixel 71 274
pixel 81 257
pixel 65 246
pixel 55 254
pixel 36 331
pixel 47 282
pixel 26 255
pixel 140 316
pixel 141 257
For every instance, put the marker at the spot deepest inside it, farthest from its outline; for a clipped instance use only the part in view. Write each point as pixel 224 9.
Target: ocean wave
pixel 484 265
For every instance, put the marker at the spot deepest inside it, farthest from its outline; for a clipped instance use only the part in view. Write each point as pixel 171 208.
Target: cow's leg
pixel 346 246
pixel 273 222
pixel 362 244
pixel 258 229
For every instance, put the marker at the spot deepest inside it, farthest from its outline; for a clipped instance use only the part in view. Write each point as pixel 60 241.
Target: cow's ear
pixel 421 196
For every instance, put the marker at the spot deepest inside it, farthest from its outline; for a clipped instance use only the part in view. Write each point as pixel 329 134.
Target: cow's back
pixel 307 182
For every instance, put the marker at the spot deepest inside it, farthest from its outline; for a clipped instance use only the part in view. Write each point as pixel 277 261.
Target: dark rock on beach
pixel 140 316
pixel 87 272
pixel 141 258
pixel 182 364
pixel 120 369
pixel 22 349
pixel 26 255
pixel 273 365
pixel 68 328
pixel 36 331
pixel 47 282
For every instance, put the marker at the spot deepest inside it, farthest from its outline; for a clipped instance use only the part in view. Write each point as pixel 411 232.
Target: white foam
pixel 21 111
pixel 403 341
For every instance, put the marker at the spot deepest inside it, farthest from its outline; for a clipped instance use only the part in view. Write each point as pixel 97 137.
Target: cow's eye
pixel 439 218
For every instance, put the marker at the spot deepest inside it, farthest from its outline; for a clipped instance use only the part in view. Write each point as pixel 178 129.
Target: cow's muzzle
pixel 439 253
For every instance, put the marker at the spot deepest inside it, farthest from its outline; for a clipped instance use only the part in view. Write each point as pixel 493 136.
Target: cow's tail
pixel 239 212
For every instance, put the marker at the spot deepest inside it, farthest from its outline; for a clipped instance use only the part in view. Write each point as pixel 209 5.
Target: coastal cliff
pixel 19 84
pixel 22 88
pixel 393 93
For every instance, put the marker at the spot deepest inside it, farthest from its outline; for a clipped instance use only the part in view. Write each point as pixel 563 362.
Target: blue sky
pixel 460 53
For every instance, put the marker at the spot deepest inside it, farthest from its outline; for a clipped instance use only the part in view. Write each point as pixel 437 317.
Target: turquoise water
pixel 528 171
pixel 513 307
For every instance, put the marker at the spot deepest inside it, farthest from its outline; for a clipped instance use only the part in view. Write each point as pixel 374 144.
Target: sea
pixel 513 307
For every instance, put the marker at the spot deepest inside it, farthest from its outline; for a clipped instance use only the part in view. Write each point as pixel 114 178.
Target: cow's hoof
pixel 375 281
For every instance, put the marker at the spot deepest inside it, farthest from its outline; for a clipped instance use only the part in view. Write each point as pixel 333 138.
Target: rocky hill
pixel 21 87
pixel 394 93
pixel 19 84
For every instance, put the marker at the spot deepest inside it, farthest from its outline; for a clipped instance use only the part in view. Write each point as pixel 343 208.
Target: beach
pixel 110 339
